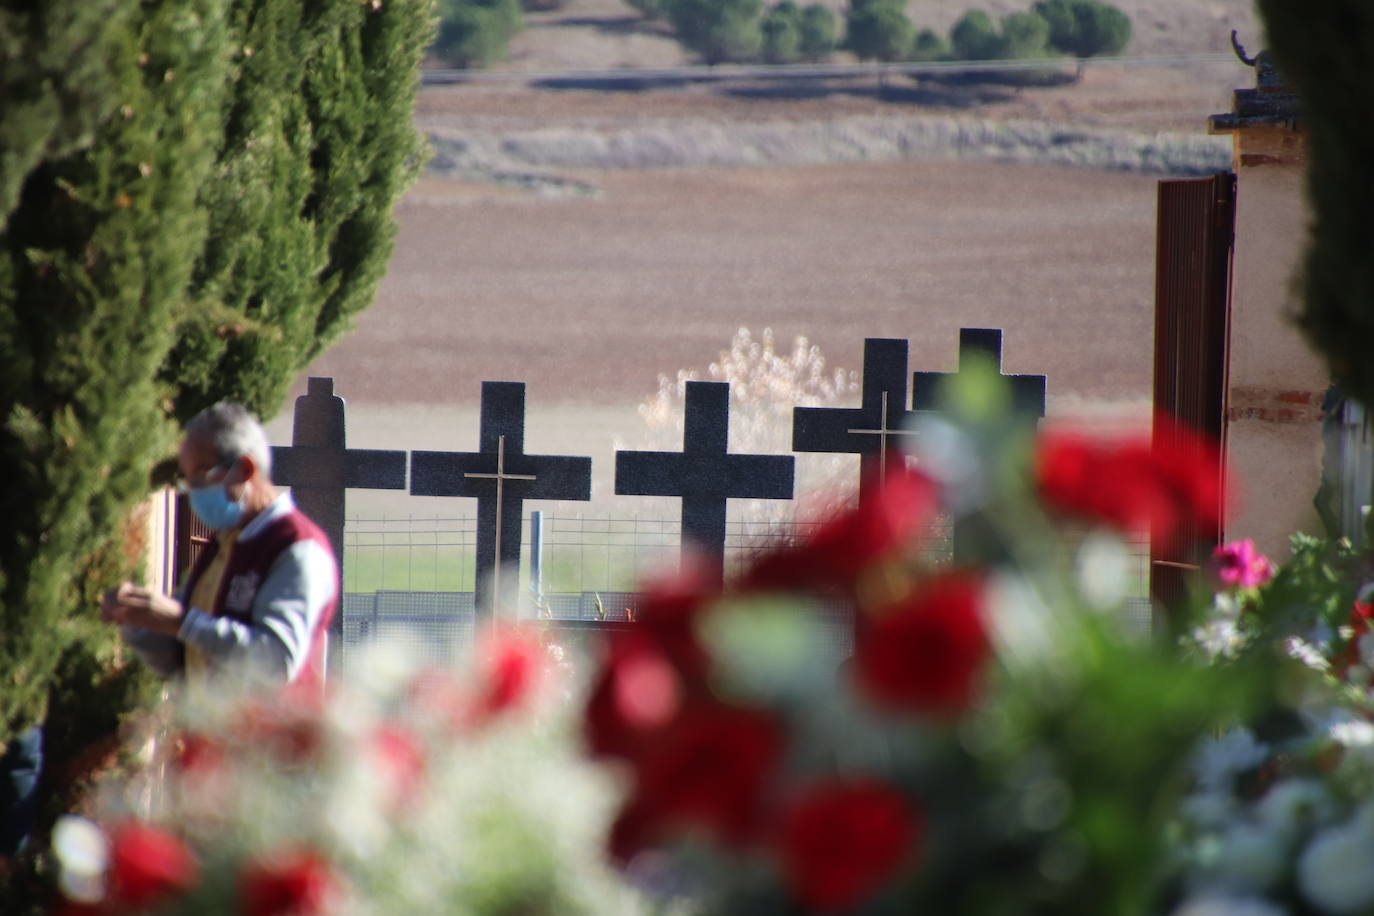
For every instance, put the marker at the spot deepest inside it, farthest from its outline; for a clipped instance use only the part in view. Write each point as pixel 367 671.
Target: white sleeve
pixel 158 651
pixel 286 611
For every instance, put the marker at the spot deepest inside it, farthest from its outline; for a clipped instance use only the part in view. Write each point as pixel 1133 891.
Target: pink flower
pixel 1239 565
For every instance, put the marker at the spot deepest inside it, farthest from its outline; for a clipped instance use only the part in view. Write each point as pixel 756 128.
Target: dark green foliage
pixel 94 264
pixel 818 33
pixel 878 30
pixel 928 46
pixel 782 34
pixel 76 47
pixel 475 33
pixel 199 225
pixel 975 37
pixel 719 31
pixel 1325 50
pixel 1085 28
pixel 317 144
pixel 1024 36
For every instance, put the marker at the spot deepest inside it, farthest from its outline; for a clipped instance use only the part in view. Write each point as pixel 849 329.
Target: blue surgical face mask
pixel 212 505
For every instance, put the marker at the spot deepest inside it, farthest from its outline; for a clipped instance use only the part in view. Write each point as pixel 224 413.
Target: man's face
pixel 201 465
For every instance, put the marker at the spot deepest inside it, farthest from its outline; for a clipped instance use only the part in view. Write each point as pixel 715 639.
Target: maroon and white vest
pixel 250 562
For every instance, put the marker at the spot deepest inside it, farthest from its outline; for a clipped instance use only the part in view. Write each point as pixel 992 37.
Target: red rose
pixel 294 883
pixel 1360 615
pixel 925 653
pixel 842 547
pixel 709 769
pixel 635 829
pixel 1161 485
pixel 148 864
pixel 669 609
pixel 840 841
pixel 637 693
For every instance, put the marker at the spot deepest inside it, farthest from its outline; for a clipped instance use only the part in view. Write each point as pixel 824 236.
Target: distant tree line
pixel 474 33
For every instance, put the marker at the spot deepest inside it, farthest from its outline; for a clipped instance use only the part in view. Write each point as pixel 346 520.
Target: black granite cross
pixel 704 474
pixel 501 477
pixel 871 430
pixel 1027 391
pixel 318 466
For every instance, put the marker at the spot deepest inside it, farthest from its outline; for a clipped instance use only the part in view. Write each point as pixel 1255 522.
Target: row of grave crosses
pixel 319 467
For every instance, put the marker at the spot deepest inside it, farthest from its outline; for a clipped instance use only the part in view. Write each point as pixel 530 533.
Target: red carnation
pixel 841 548
pixel 840 841
pixel 925 653
pixel 294 883
pixel 709 768
pixel 148 864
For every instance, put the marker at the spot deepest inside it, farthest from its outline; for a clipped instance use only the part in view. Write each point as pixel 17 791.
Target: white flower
pixel 1295 803
pixel 1209 809
pixel 84 852
pixel 1219 638
pixel 1334 871
pixel 1251 857
pixel 1104 567
pixel 1218 760
pixel 1306 653
pixel 1217 904
pixel 1352 733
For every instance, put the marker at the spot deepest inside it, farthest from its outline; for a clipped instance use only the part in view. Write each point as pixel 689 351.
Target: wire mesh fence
pixel 411 579
pixel 577 554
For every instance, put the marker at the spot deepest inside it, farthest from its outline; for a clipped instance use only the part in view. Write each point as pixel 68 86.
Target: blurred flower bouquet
pixel 403 792
pixel 997 743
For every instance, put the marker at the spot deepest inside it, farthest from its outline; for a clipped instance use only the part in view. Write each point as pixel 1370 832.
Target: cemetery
pixel 343 575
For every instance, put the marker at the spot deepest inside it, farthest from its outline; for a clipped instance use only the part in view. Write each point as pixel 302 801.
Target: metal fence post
pixel 537 559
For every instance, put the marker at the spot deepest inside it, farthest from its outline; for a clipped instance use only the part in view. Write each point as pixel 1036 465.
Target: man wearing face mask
pixel 261 595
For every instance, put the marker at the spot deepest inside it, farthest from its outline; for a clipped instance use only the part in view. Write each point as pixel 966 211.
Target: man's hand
pixel 140 607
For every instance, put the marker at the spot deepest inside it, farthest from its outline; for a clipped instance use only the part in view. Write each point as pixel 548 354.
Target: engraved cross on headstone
pixel 318 466
pixel 871 430
pixel 501 477
pixel 1027 391
pixel 704 474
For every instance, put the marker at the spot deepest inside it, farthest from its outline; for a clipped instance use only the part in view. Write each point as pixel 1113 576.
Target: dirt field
pixel 589 298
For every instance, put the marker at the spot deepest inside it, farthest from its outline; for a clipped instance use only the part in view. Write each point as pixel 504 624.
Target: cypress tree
pixel 59 78
pixel 317 144
pixel 1325 50
pixel 95 258
pixel 199 224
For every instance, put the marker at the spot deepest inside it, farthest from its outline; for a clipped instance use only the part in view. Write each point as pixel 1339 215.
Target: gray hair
pixel 234 432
